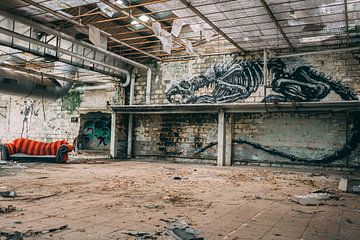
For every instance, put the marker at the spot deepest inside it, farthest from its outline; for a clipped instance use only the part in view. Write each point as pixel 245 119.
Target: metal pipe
pixel 57 33
pixel 47 75
pixel 66 52
pixel 131 116
pixel 148 87
pixel 85 44
pixel 26 85
pixel 132 86
pixel 91 88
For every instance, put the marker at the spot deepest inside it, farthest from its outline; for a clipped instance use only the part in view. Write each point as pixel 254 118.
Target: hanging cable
pixel 42 98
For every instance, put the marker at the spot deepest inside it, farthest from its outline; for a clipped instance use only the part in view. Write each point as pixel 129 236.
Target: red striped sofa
pixel 26 149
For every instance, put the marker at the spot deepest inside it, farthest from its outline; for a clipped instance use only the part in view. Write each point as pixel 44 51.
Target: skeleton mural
pixel 29 110
pixel 292 80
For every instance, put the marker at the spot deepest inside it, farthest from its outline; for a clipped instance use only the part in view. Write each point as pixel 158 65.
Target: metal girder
pixel 80 24
pixel 278 26
pixel 59 53
pixel 217 29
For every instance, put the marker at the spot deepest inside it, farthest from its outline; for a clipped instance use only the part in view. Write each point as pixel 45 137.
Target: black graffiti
pixel 292 80
pixel 297 81
pixel 227 83
pixel 346 150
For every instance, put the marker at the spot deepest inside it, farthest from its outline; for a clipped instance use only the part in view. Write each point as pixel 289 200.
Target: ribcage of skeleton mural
pixel 292 80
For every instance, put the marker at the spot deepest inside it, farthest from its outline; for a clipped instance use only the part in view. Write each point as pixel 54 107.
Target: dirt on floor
pixel 152 200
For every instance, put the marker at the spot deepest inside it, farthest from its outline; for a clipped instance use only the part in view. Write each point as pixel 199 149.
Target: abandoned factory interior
pixel 180 119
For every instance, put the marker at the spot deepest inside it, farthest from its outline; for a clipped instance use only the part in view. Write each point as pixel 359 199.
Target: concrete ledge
pixel 240 107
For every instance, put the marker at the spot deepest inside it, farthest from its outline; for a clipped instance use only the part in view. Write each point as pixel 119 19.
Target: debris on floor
pixel 181 230
pixel 349 185
pixel 8 209
pixel 20 235
pixel 311 199
pixel 8 194
pixel 141 235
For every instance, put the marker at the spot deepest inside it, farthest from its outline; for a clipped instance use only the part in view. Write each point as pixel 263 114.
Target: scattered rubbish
pixel 20 235
pixel 8 209
pixel 349 221
pixel 181 230
pixel 307 212
pixel 42 177
pixel 311 199
pixel 9 194
pixel 177 178
pixel 154 206
pixel 349 185
pixel 141 235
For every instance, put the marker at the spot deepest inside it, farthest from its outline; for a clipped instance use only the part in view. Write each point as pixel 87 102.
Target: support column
pixel 113 140
pixel 228 138
pixel 130 136
pixel 221 138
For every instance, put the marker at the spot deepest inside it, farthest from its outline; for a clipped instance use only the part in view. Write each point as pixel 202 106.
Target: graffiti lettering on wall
pixel 29 109
pixel 292 80
pixel 98 131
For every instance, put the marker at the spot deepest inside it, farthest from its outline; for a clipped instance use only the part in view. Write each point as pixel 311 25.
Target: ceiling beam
pixel 126 13
pixel 217 29
pixel 79 24
pixel 278 26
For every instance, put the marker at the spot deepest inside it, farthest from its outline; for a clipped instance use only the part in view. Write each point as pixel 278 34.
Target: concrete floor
pixel 100 201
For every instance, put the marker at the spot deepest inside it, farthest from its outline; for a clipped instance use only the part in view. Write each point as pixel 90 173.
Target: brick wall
pixel 306 136
pixel 339 66
pixel 48 120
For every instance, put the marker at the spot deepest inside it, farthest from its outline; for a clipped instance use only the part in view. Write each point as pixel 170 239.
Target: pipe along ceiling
pixel 30 85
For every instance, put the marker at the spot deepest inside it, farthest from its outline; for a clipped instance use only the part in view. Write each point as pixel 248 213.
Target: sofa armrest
pixel 4 152
pixel 61 153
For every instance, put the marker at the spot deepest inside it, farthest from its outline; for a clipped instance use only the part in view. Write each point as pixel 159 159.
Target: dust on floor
pixel 118 199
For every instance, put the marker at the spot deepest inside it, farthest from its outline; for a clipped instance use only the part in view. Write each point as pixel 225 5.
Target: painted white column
pixel 221 139
pixel 113 139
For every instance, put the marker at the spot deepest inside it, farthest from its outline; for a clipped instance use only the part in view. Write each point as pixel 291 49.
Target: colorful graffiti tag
pixel 97 131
